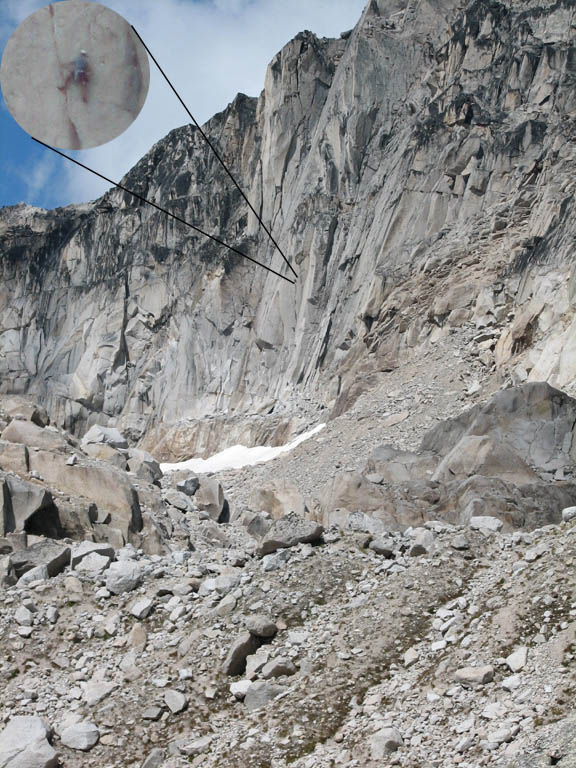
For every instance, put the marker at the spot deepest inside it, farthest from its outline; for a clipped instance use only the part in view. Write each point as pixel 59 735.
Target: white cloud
pixel 211 50
pixel 38 176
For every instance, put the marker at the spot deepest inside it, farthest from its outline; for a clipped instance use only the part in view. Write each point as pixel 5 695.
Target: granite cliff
pixel 419 174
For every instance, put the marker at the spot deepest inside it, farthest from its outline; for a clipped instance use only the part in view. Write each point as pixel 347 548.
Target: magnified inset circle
pixel 74 74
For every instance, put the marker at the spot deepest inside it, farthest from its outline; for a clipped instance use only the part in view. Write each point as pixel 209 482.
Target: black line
pixel 163 210
pixel 213 148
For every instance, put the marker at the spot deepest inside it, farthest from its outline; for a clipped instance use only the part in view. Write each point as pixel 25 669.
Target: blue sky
pixel 210 49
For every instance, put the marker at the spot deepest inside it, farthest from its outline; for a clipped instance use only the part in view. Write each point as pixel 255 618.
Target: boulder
pixel 24 744
pixel 85 548
pixel 290 531
pixel 261 694
pixel 517 660
pixel 280 499
pixel 568 513
pixel 30 434
pixel 81 736
pixel 486 523
pixel 93 565
pixel 475 675
pixel 383 546
pixel 278 667
pixel 109 435
pixel 189 485
pixel 384 742
pixel 483 455
pixel 209 498
pixel 261 626
pixel 28 507
pixel 104 485
pixel 423 542
pixel 39 573
pixel 23 409
pixel 7 573
pixel 53 555
pixel 144 465
pixel 105 452
pixel 13 457
pixel 245 645
pixel 123 576
pixel 175 701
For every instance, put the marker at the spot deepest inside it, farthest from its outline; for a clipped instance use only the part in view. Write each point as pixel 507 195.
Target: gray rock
pixel 31 508
pixel 85 548
pixel 261 626
pixel 155 759
pixel 383 546
pixel 82 736
pixel 290 531
pixel 51 554
pixel 209 498
pixel 123 576
pixel 276 560
pixel 23 616
pixel 32 435
pixel 517 660
pixel 475 675
pixel 423 542
pixel 486 523
pixel 189 486
pixel 24 744
pixel 260 695
pixel 93 565
pixel 239 689
pixel 411 657
pixel 568 513
pixel 384 742
pixel 141 608
pixel 109 435
pixel 40 573
pixel 175 701
pixel 245 645
pixel 176 499
pixel 278 667
pixel 459 542
pixel 144 465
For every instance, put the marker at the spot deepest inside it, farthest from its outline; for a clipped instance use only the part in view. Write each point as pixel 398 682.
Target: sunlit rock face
pixel 74 75
pixel 419 176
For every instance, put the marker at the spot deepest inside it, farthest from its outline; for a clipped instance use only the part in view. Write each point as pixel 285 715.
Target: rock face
pixel 385 176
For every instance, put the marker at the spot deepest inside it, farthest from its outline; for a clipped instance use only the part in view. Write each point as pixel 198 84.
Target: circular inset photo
pixel 74 75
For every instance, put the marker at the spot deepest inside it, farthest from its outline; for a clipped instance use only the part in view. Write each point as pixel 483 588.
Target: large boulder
pixel 35 437
pixel 209 498
pixel 109 435
pixel 13 457
pixel 534 421
pixel 105 452
pixel 104 485
pixel 144 465
pixel 54 555
pixel 24 744
pixel 27 507
pixel 279 499
pixel 22 408
pixel 290 531
pixel 482 455
pixel 245 645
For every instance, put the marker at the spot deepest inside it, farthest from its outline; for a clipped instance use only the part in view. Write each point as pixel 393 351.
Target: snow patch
pixel 238 456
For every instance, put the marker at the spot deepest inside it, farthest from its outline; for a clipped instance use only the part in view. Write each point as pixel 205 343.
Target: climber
pixel 80 75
